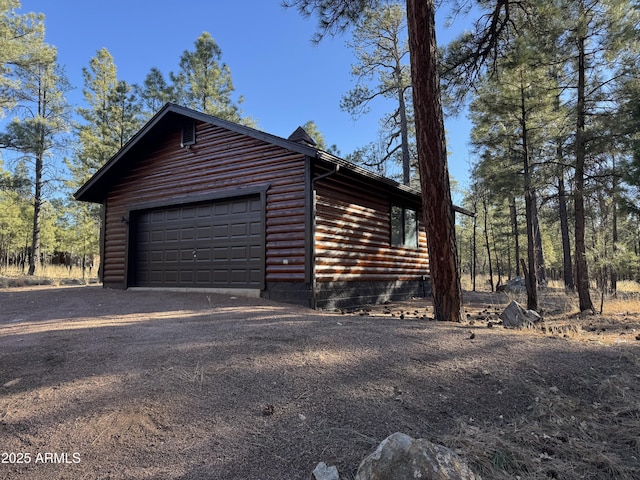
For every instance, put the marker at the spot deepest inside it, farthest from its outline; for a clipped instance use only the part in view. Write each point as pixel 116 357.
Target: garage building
pixel 194 201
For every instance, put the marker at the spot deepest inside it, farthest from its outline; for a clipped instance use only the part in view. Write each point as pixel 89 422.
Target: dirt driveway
pixel 107 384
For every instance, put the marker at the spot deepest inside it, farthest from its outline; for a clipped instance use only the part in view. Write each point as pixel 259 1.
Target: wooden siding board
pixel 220 159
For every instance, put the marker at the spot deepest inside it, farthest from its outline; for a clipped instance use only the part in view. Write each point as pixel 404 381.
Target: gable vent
pixel 300 135
pixel 188 134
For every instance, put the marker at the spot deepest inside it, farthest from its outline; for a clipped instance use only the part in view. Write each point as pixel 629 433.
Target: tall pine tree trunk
pixel 541 273
pixel 38 146
pixel 514 231
pixel 582 272
pixel 432 161
pixel 497 257
pixel 529 205
pixel 486 239
pixel 567 267
pixel 404 137
pixel 34 260
pixel 613 277
pixel 530 272
pixel 474 242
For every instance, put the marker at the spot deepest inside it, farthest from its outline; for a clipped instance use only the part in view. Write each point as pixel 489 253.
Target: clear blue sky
pixel 284 79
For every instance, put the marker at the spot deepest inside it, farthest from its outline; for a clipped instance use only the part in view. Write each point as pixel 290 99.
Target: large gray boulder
pixel 515 285
pixel 516 316
pixel 400 457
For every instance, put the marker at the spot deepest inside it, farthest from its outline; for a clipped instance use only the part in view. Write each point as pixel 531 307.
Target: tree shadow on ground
pixel 181 386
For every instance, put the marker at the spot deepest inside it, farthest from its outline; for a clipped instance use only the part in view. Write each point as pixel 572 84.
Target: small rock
pixel 323 472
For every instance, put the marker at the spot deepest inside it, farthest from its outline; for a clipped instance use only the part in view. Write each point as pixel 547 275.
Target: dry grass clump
pixel 14 276
pixel 561 436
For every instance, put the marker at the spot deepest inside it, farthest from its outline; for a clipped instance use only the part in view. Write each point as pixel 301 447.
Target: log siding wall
pixel 353 238
pixel 220 160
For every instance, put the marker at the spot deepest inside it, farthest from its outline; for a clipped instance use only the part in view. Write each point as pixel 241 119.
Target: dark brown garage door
pixel 216 244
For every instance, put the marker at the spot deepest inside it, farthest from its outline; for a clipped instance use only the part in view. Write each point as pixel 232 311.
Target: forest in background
pixel 556 171
pixel 555 138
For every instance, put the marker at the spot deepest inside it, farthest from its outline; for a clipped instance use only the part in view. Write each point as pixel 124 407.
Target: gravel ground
pixel 109 384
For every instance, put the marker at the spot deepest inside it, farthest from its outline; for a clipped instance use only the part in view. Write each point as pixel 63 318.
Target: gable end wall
pixel 220 160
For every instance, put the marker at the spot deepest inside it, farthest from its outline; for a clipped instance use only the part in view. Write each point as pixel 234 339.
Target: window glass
pixel 404 227
pixel 410 228
pixel 397 226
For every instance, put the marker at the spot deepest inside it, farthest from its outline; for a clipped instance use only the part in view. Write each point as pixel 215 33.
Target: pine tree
pixel 513 112
pixel 627 121
pixel 599 34
pixel 44 116
pixel 380 45
pixel 203 83
pixel 21 39
pixel 155 92
pixel 111 118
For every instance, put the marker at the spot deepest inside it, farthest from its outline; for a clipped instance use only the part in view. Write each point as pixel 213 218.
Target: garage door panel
pixel 187 234
pixel 220 231
pixel 172 235
pixel 203 232
pixel 157 236
pixel 204 277
pixel 255 252
pixel 239 207
pixel 203 255
pixel 221 254
pixel 186 277
pixel 239 230
pixel 172 215
pixel 144 237
pixel 186 256
pixel 158 276
pixel 255 229
pixel 222 208
pixel 238 276
pixel 156 256
pixel 187 213
pixel 227 238
pixel 204 211
pixel 239 253
pixel 255 276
